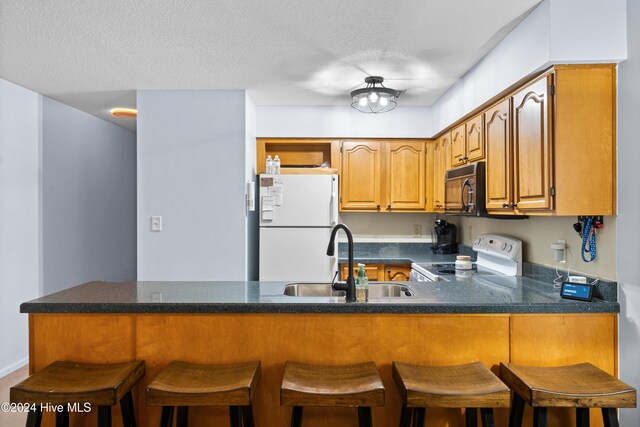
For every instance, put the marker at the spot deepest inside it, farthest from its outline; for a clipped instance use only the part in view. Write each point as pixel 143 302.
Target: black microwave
pixel 464 190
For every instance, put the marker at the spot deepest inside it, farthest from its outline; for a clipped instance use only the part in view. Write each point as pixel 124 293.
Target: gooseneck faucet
pixel 350 285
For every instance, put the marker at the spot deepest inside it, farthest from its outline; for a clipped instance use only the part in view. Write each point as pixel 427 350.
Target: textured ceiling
pixel 93 55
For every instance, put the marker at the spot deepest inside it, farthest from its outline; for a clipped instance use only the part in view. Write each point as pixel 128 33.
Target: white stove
pixel 497 255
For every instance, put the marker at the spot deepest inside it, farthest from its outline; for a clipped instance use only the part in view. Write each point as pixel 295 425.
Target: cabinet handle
pixel 378 207
pixel 506 205
pixel 513 205
pixel 388 207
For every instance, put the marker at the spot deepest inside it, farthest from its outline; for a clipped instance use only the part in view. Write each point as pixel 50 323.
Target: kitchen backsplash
pixel 400 225
pixel 537 234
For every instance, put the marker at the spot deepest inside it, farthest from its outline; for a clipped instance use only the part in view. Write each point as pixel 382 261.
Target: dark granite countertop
pixel 486 294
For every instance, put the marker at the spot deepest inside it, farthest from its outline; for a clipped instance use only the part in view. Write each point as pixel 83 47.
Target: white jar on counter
pixel 463 266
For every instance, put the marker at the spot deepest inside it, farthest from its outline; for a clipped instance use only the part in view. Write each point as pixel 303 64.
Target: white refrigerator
pixel 297 214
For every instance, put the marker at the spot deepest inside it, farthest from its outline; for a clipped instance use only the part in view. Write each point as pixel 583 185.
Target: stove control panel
pixel 498 245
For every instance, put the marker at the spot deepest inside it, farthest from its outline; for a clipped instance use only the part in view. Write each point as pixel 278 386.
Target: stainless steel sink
pixel 376 290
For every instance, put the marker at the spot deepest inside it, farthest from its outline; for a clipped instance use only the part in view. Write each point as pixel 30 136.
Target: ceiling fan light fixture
pixel 374 98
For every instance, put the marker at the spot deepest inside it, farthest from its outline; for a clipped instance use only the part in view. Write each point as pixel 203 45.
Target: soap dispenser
pixel 362 285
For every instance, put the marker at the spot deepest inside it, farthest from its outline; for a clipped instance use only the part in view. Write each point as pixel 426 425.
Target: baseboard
pixel 13 367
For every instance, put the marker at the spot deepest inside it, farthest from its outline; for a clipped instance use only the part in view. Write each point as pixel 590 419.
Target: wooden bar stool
pixel 580 386
pixel 184 384
pixel 470 386
pixel 73 385
pixel 336 385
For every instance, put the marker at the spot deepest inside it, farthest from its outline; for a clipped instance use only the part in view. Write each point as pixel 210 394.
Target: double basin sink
pixel 376 290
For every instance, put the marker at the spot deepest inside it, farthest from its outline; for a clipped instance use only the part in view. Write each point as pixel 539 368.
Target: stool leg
pixel 62 418
pixel 296 416
pixel 610 417
pixel 247 416
pixel 582 417
pixel 235 416
pixel 418 417
pixel 128 412
pixel 34 418
pixel 182 418
pixel 364 416
pixel 405 416
pixel 471 416
pixel 104 416
pixel 539 417
pixel 167 416
pixel 487 417
pixel 517 411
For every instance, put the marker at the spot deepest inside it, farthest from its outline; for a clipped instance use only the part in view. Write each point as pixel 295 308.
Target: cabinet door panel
pixel 532 147
pixel 499 188
pixel 397 273
pixel 372 271
pixel 406 175
pixel 475 139
pixel 458 146
pixel 360 176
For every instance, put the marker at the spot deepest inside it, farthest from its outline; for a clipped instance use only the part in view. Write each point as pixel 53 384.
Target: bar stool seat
pixel 65 382
pixel 580 386
pixel 357 385
pixel 185 384
pixel 468 386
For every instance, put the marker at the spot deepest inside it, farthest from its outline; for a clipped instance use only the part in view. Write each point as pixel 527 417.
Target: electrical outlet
pixel 417 230
pixel 469 237
pixel 156 223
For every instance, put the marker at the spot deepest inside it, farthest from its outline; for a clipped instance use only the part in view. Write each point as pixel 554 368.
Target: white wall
pixel 89 198
pixel 191 171
pixel 557 31
pixel 253 235
pixel 19 218
pixel 588 31
pixel 628 249
pixel 338 121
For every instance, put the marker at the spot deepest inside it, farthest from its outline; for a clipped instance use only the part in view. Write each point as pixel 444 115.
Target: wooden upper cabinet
pixel 441 150
pixel 458 146
pixel 360 175
pixel 499 183
pixel 475 139
pixel 406 176
pixel 532 146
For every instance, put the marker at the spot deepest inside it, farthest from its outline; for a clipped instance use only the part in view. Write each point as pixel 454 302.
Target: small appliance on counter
pixel 497 256
pixel 443 237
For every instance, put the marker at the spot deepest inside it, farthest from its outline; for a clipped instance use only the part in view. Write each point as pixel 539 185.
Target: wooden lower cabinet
pixel 556 340
pixel 435 339
pixel 374 272
pixel 380 272
pixel 397 272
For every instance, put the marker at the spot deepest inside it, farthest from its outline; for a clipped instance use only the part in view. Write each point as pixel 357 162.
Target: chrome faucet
pixel 350 285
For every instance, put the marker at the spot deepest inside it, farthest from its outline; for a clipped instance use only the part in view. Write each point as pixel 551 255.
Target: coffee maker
pixel 443 237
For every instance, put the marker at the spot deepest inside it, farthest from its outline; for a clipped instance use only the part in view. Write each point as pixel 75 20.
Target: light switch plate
pixel 156 223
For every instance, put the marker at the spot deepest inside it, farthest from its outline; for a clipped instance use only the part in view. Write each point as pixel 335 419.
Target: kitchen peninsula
pixel 222 322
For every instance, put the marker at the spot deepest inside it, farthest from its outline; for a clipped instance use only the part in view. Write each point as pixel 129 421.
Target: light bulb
pixel 363 101
pixel 384 102
pixel 373 97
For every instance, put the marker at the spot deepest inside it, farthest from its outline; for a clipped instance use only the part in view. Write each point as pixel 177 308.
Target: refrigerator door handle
pixel 332 207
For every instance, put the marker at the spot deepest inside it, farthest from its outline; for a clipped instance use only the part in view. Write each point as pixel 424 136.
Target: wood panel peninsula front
pixel 225 322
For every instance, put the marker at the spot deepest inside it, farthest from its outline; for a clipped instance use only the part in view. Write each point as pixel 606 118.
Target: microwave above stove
pixel 464 192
